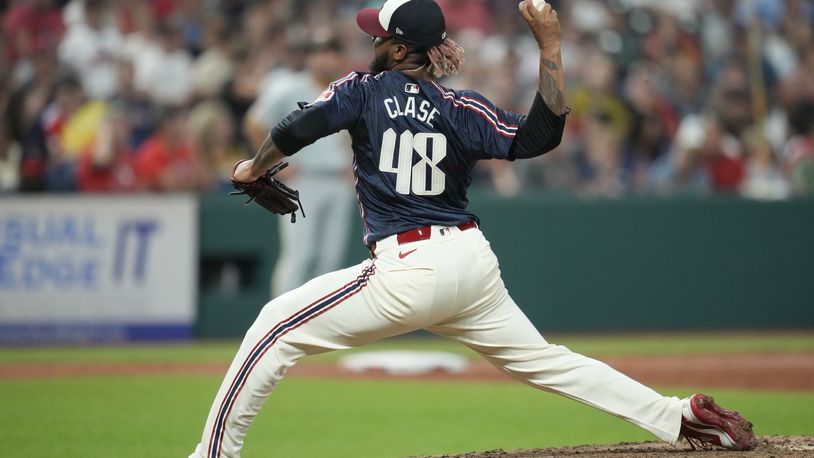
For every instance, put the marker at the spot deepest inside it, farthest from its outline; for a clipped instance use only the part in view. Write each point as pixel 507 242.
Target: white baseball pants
pixel 450 285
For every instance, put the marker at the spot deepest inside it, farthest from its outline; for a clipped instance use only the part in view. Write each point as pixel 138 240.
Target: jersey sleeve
pixel 491 129
pixel 342 101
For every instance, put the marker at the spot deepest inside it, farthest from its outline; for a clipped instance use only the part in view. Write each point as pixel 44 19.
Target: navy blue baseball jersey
pixel 415 144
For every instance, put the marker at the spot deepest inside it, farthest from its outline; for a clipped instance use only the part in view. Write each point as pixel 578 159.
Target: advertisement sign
pixel 104 268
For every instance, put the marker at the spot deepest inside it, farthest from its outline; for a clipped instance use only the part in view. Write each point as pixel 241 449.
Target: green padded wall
pixel 581 265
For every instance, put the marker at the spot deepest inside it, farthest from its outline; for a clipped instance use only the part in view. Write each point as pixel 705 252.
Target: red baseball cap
pixel 416 22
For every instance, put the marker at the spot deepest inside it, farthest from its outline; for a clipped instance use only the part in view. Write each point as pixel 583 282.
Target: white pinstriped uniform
pixel 415 144
pixel 449 284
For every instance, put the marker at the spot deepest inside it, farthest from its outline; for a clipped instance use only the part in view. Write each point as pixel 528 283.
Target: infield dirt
pixel 768 447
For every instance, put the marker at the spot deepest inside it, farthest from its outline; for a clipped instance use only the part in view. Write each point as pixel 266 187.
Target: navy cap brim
pixel 368 20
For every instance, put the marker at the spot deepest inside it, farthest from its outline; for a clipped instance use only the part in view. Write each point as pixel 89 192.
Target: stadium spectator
pixel 30 26
pixel 654 122
pixel 709 153
pixel 25 106
pixel 58 163
pixel 140 39
pixel 213 131
pixel 10 155
pixel 601 121
pixel 214 67
pixel 137 107
pixel 264 47
pixel 167 161
pixel 638 69
pixel 90 49
pixel 164 68
pixel 107 164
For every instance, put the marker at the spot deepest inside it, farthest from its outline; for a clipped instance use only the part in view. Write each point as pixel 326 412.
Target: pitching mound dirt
pixel 768 447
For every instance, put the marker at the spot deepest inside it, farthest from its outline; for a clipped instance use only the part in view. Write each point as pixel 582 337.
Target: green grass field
pixel 162 416
pixel 592 345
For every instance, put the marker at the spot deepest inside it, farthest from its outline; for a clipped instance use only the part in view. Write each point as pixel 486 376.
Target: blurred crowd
pixel 667 97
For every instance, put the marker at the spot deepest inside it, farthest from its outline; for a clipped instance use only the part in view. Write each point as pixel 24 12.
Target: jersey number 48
pixel 411 177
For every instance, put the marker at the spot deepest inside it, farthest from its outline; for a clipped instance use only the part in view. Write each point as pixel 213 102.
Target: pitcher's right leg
pixel 331 312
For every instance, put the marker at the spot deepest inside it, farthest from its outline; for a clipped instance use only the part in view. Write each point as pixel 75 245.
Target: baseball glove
pixel 271 193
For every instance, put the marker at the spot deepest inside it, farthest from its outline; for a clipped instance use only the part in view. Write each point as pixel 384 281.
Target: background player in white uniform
pixel 415 143
pixel 316 244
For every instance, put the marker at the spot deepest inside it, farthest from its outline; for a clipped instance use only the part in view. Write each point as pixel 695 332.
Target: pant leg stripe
pixel 292 317
pixel 248 360
pixel 309 312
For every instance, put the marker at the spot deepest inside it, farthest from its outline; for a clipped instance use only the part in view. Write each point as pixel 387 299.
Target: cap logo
pixel 444 36
pixel 399 32
pixel 386 13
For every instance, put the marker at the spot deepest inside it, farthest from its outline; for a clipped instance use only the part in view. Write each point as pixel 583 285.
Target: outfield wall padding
pixel 637 264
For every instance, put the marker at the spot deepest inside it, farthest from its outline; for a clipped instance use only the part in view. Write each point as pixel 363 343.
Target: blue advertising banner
pixel 81 269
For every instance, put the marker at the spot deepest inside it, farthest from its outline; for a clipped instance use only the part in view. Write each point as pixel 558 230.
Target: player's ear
pixel 399 52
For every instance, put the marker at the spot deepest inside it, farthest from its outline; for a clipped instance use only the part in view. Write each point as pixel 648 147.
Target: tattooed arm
pixel 267 155
pixel 552 83
pixel 545 26
pixel 542 130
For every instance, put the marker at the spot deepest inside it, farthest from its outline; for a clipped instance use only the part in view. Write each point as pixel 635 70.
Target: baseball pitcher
pixel 415 143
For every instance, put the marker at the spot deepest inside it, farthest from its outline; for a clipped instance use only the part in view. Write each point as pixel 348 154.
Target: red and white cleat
pixel 703 423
